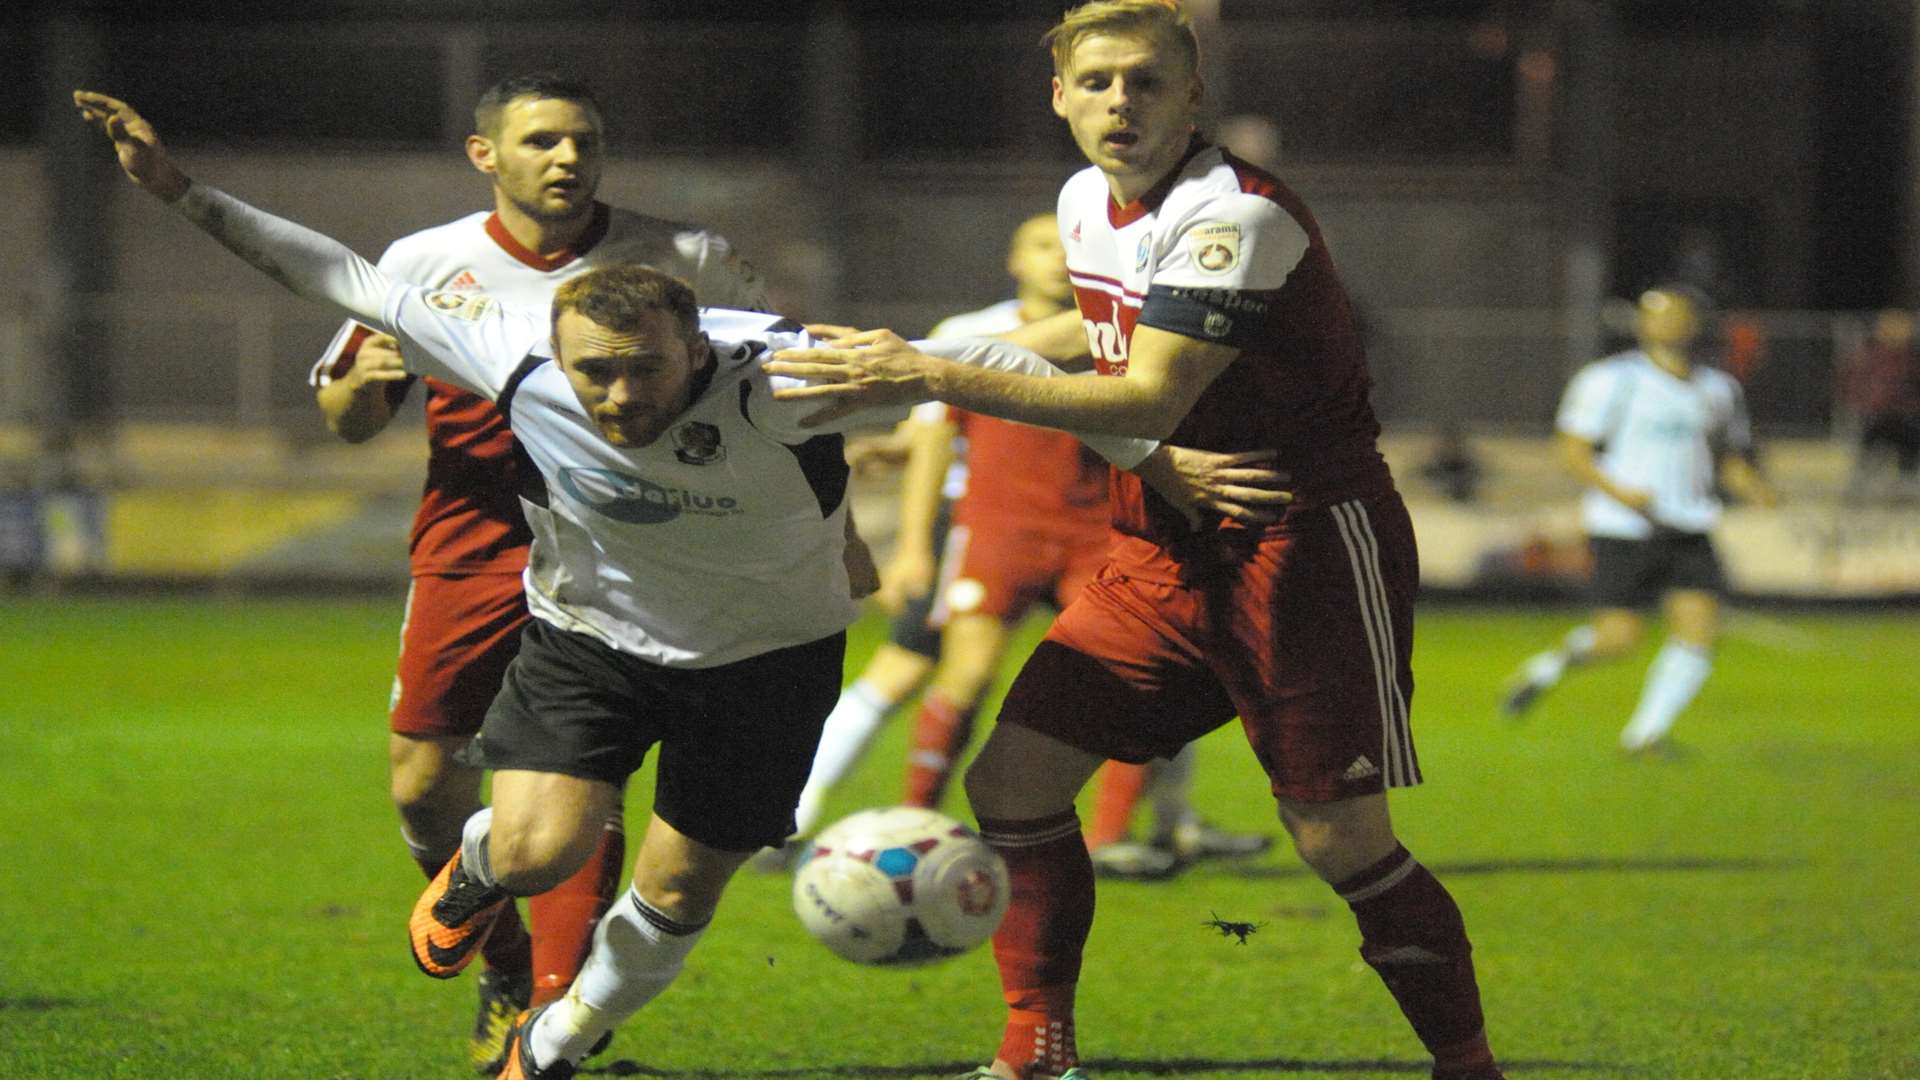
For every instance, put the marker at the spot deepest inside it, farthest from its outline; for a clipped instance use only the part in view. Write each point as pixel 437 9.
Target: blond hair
pixel 1161 19
pixel 615 296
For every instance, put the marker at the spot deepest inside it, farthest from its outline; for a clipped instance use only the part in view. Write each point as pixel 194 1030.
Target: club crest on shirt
pixel 1143 252
pixel 1215 246
pixel 698 443
pixel 468 306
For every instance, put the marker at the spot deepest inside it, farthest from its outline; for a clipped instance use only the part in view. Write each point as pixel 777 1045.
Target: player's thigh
pixel 1315 646
pixel 1119 674
pixel 1693 616
pixel 426 771
pixel 895 672
pixel 547 823
pixel 458 636
pixel 740 740
pixel 971 645
pixel 1616 631
pixel 1021 774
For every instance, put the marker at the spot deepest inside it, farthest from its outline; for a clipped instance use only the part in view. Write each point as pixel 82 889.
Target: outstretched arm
pixel 1166 373
pixel 306 262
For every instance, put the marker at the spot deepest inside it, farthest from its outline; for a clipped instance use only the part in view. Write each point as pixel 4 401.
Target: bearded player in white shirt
pixel 1653 436
pixel 686 582
pixel 540 140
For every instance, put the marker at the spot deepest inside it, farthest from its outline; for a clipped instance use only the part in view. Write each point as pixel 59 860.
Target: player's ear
pixel 1059 98
pixel 480 152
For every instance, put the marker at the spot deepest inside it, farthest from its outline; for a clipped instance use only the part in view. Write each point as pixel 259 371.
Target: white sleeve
pixel 1585 405
pixel 999 355
pixel 1232 241
pixel 336 360
pixel 469 339
pixel 726 280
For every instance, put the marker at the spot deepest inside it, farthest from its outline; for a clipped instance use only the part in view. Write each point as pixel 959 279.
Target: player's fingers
pixel 1246 457
pixel 829 414
pixel 1246 515
pixel 830 330
pixel 385 374
pixel 1252 495
pixel 812 372
pixel 1265 478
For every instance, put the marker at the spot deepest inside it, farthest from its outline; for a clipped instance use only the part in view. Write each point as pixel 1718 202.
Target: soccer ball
pixel 899 887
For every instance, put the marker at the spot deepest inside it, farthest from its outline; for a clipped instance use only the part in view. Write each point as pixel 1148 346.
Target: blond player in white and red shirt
pixel 539 139
pixel 1211 306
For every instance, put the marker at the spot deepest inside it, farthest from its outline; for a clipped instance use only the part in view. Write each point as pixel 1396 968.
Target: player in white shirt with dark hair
pixel 1652 435
pixel 686 582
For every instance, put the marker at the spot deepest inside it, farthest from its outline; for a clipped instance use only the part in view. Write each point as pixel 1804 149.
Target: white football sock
pixel 851 726
pixel 1169 783
pixel 1546 669
pixel 1673 679
pixel 637 952
pixel 473 848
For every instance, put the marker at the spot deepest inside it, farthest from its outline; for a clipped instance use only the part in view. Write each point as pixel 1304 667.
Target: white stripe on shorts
pixel 1363 552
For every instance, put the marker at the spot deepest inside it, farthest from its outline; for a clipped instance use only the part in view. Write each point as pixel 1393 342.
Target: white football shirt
pixel 1657 433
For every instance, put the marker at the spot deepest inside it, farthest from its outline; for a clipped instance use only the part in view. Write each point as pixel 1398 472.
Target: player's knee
pixel 531 856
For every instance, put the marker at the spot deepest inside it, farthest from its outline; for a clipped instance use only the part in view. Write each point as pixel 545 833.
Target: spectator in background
pixel 1882 388
pixel 1454 469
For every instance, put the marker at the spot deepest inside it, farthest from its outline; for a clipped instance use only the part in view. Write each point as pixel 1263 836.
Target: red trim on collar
pixel 596 231
pixel 1122 216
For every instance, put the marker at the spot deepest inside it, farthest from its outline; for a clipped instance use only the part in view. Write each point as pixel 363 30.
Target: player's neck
pixel 1669 359
pixel 545 238
pixel 1034 306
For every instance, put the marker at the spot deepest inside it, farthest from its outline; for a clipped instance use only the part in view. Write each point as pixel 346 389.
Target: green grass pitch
pixel 204 878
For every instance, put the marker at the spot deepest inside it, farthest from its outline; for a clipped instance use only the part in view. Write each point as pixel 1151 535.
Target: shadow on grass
pixel 1580 865
pixel 38 1004
pixel 1153 1067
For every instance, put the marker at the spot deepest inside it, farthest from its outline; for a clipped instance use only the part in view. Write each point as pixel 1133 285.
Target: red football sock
pixel 1040 942
pixel 941 731
pixel 563 918
pixel 1113 802
pixel 1411 933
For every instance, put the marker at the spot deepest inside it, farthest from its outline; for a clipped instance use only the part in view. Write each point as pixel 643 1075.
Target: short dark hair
pixel 615 296
pixel 540 85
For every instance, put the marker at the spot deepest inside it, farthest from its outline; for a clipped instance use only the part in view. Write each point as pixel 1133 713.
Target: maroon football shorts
pixel 459 634
pixel 1308 640
pixel 1003 570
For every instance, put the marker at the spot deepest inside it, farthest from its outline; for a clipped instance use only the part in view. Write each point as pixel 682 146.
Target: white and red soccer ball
pixel 900 886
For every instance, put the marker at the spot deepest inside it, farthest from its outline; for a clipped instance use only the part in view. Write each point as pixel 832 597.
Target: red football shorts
pixel 459 634
pixel 1308 641
pixel 1003 570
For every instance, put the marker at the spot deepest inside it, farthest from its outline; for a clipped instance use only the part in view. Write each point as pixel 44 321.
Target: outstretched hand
pixel 142 157
pixel 1242 487
pixel 853 370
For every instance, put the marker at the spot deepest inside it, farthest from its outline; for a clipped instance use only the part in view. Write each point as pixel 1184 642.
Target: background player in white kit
pixel 540 140
pixel 1652 435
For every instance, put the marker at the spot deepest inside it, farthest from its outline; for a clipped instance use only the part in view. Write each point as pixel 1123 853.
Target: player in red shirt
pixel 1210 303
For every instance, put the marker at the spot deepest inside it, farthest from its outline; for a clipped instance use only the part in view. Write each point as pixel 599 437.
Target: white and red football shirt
pixel 1223 252
pixel 469 519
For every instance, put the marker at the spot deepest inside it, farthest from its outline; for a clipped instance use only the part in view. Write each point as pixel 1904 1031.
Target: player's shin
pixel 1412 935
pixel 637 953
pixel 1040 942
pixel 563 918
pixel 941 732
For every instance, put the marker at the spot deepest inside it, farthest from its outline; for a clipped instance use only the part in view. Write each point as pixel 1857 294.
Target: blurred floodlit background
pixel 1494 177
